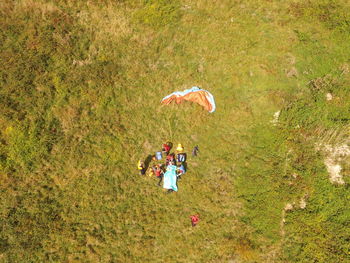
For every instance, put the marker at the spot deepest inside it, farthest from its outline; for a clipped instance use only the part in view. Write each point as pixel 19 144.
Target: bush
pixel 158 13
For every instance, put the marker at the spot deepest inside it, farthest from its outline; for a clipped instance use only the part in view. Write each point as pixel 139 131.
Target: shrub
pixel 158 13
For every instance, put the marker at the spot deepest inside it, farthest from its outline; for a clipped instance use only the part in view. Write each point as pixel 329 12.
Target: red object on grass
pixel 194 219
pixel 166 147
pixel 159 172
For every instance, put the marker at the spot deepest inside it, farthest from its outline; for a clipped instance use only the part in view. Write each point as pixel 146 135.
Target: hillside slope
pixel 80 89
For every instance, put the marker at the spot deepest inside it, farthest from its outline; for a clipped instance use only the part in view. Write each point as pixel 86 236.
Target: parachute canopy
pixel 195 94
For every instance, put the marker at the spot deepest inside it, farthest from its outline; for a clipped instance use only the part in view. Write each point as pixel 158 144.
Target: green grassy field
pixel 80 90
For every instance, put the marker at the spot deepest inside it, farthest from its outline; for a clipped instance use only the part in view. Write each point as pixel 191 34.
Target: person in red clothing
pixel 166 147
pixel 159 173
pixel 170 158
pixel 194 220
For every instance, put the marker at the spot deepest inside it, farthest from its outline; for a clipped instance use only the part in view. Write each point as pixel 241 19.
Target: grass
pixel 81 85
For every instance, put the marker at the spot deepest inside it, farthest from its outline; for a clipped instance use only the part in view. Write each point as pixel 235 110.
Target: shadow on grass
pixel 148 161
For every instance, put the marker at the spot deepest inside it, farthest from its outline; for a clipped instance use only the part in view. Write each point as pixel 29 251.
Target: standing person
pixel 159 173
pixel 195 151
pixel 155 161
pixel 179 148
pixel 141 167
pixel 166 147
pixel 152 170
pixel 194 220
pixel 180 170
pixel 181 155
pixel 170 158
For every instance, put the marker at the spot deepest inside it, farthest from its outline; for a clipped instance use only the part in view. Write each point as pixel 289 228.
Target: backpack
pixel 181 157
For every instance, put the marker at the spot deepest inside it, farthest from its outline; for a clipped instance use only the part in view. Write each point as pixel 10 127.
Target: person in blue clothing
pixel 180 170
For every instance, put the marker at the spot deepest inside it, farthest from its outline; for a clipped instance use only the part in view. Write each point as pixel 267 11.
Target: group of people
pixel 167 166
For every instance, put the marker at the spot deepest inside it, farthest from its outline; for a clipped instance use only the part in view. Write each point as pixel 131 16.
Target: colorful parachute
pixel 195 94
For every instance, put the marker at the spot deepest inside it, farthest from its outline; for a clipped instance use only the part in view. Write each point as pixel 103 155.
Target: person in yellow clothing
pixel 179 148
pixel 151 171
pixel 141 167
pixel 181 155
